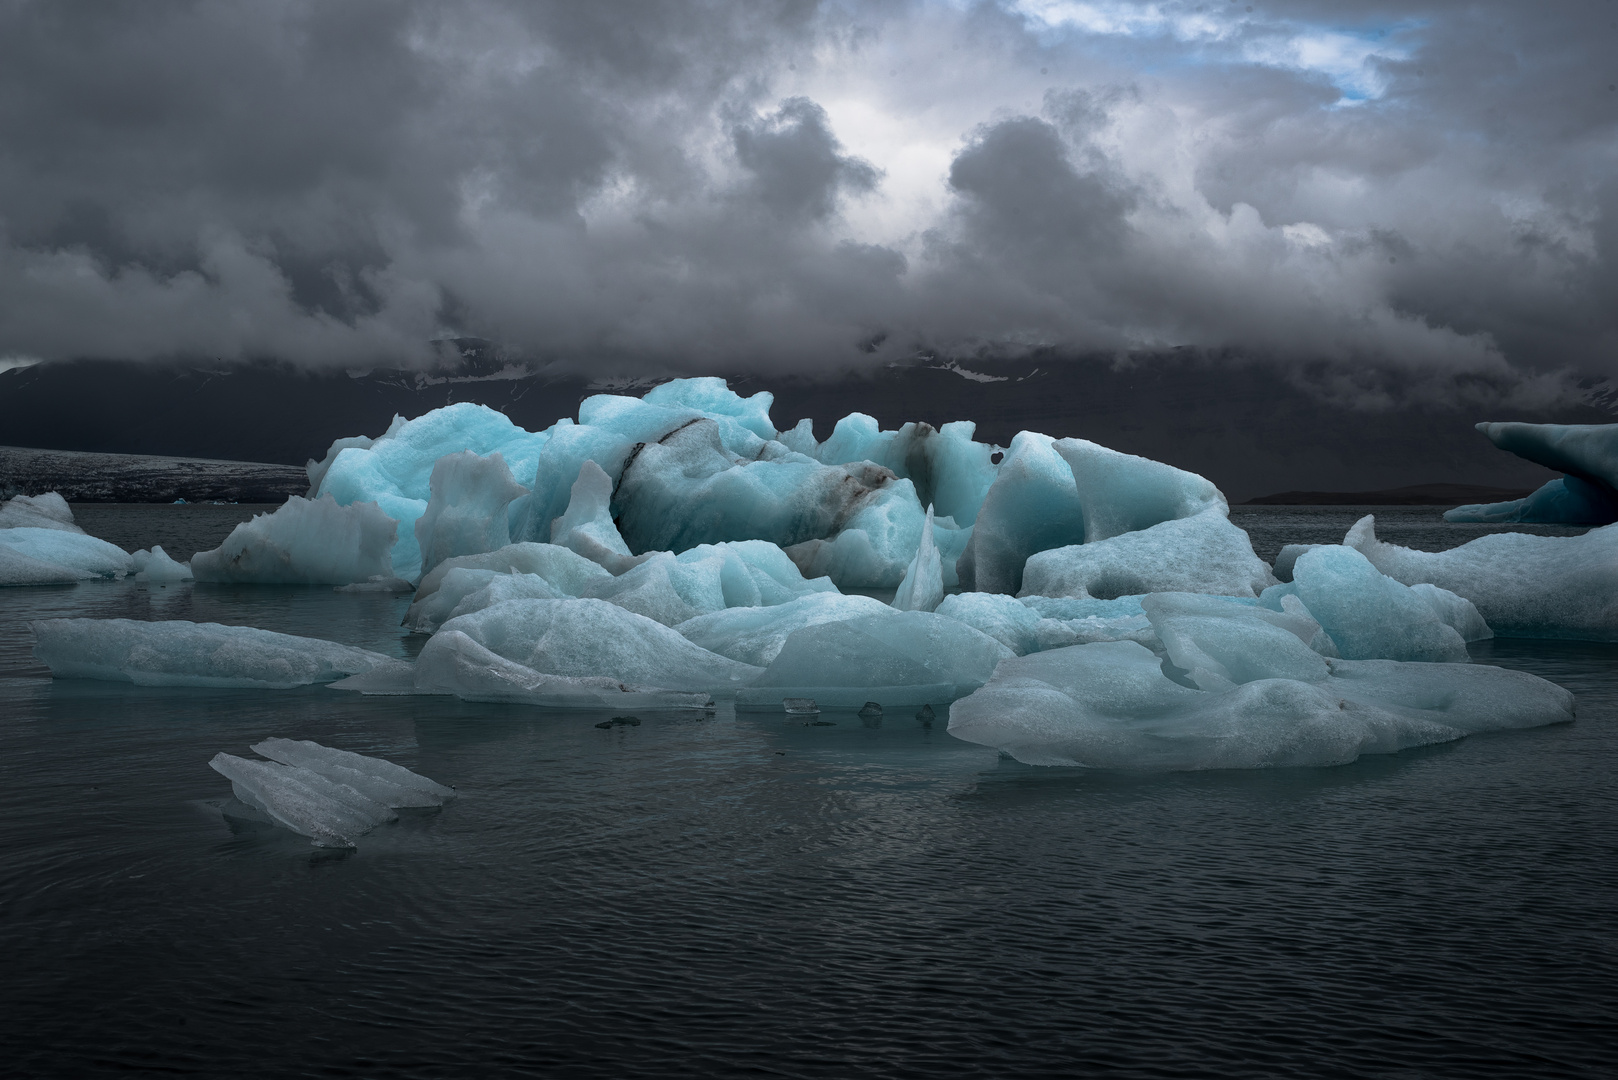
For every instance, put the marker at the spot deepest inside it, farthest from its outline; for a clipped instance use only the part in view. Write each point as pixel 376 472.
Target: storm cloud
pixel 1423 190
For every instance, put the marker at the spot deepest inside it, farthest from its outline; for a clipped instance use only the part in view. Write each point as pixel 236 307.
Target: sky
pixel 1428 189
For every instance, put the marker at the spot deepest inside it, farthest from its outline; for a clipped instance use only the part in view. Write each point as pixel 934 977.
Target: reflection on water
pixel 748 894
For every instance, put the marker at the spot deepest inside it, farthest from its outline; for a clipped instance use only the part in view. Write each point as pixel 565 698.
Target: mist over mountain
pixel 1370 199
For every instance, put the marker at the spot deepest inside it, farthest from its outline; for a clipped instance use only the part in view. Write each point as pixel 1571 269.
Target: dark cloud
pixel 1413 188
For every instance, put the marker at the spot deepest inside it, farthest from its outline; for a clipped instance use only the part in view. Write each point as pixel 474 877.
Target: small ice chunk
pixel 329 813
pixel 181 653
pixel 389 784
pixel 304 543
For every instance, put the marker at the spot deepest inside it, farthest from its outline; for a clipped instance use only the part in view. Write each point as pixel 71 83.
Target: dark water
pixel 750 896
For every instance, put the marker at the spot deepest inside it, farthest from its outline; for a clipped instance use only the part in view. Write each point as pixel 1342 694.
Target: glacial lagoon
pixel 724 894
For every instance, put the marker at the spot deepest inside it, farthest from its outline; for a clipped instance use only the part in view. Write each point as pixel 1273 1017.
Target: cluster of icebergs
pixel 40 544
pixel 1076 604
pixel 331 796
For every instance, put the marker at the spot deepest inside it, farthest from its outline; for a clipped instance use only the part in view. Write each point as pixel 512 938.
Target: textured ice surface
pixel 674 588
pixel 950 471
pixel 466 513
pixel 754 635
pixel 331 796
pixel 464 590
pixel 1369 615
pixel 453 663
pixel 1120 493
pixel 395 469
pixel 194 654
pixel 1032 506
pixel 567 571
pixel 1202 553
pixel 1218 644
pixel 1110 705
pixel 922 588
pixel 899 658
pixel 874 548
pixel 587 526
pixel 19 569
pixel 380 780
pixel 584 638
pixel 47 511
pixel 156 568
pixel 84 555
pixel 1016 625
pixel 304 542
pixel 1565 500
pixel 1522 585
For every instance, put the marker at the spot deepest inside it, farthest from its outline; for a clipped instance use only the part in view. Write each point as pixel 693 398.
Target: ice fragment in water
pixel 156 568
pixel 383 781
pixel 72 552
pixel 304 543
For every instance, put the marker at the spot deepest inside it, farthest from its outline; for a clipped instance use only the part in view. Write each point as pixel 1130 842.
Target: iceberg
pixel 74 552
pixel 181 653
pixel 1370 616
pixel 464 590
pixel 1111 705
pixel 331 796
pixel 1586 495
pixel 1032 506
pixel 47 511
pixel 466 511
pixel 19 569
pixel 1013 623
pixel 587 638
pixel 567 571
pixel 755 635
pixel 710 577
pixel 874 548
pixel 899 658
pixel 1201 553
pixel 453 663
pixel 320 542
pixel 1522 585
pixel 950 471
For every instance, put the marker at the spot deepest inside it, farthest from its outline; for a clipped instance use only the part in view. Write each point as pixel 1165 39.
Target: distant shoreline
pixel 81 476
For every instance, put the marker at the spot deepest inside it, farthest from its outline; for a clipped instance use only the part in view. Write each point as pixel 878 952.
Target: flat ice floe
pixel 195 654
pixel 331 796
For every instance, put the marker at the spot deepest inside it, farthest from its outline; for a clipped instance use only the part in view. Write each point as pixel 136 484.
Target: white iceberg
pixel 181 653
pixel 304 542
pixel 755 635
pixel 154 567
pixel 1370 616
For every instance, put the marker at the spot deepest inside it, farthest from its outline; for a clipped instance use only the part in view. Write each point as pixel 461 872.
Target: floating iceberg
pixel 900 658
pixel 195 654
pixel 319 542
pixel 1586 495
pixel 1522 585
pixel 331 796
pixel 1370 616
pixel 67 552
pixel 1110 705
pixel 590 638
